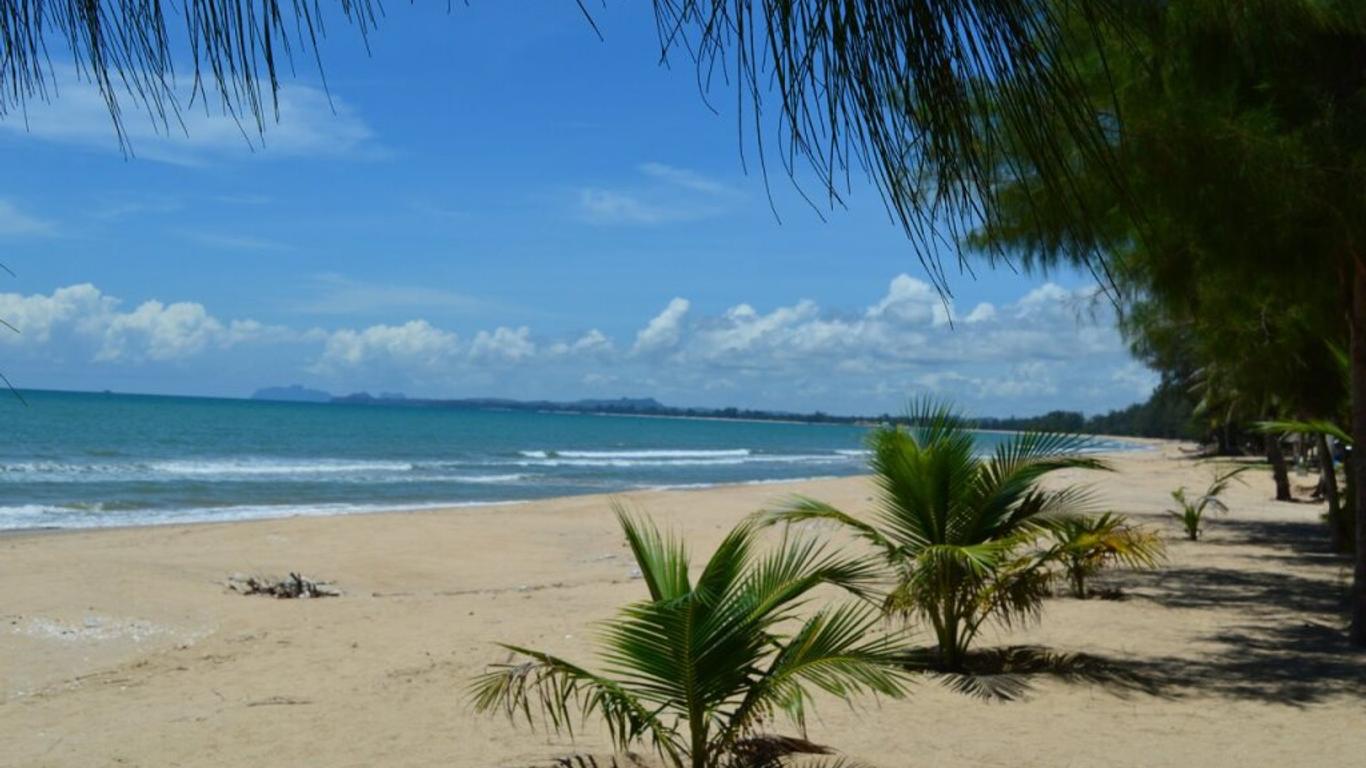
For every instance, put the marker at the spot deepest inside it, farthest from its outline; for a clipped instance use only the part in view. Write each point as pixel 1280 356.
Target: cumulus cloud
pixel 503 344
pixel 910 301
pixel 664 330
pixel 81 315
pixel 1036 353
pixel 594 343
pixel 160 332
pixel 415 343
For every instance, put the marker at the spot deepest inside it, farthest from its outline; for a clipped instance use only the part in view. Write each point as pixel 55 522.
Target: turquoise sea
pixel 74 460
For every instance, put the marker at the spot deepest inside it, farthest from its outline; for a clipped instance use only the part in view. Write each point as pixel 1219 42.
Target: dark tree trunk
pixel 1276 456
pixel 1329 483
pixel 1358 466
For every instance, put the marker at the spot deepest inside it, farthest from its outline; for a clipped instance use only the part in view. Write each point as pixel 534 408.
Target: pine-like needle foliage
pixel 956 527
pixel 700 668
pixel 918 95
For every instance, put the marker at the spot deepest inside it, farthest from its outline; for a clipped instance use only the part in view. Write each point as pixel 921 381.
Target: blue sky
pixel 498 203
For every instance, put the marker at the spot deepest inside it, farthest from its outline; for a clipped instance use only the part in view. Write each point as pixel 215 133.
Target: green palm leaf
pixel 696 669
pixel 952 524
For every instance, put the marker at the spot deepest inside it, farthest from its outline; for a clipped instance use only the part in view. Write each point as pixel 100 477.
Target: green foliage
pixel 1167 413
pixel 1306 427
pixel 954 528
pixel 1236 128
pixel 700 668
pixel 1341 522
pixel 1191 512
pixel 1086 544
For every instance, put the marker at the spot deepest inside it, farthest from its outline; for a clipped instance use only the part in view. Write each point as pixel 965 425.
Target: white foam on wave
pixel 36 516
pixel 506 478
pixel 196 469
pixel 222 467
pixel 653 453
pixel 701 486
pixel 562 461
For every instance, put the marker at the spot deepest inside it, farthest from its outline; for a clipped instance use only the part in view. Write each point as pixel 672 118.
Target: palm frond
pixel 553 690
pixel 1305 427
pixel 801 509
pixel 838 651
pixel 696 669
pixel 957 529
pixel 663 560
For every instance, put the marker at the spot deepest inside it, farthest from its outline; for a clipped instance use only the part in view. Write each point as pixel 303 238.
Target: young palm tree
pixel 699 668
pixel 1192 511
pixel 1085 544
pixel 954 525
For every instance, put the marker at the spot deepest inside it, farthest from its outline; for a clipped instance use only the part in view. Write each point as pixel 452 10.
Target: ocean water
pixel 74 460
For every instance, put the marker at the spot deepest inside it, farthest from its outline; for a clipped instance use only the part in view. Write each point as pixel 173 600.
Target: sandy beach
pixel 123 646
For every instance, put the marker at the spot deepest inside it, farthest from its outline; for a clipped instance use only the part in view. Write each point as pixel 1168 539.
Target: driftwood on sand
pixel 295 586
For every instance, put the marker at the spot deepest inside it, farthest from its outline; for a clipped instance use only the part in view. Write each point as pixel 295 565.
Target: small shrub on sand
pixel 701 668
pixel 1085 544
pixel 1191 512
pixel 957 529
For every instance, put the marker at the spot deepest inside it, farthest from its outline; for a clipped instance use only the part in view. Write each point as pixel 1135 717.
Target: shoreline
pixel 132 633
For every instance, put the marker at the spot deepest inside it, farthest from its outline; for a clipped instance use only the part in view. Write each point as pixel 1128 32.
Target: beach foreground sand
pixel 123 647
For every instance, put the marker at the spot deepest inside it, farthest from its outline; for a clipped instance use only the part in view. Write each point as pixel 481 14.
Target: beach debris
pixel 278 701
pixel 294 587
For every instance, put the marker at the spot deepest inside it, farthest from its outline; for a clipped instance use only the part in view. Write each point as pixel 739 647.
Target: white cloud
pixel 414 343
pixel 1030 355
pixel 161 332
pixel 81 316
pixel 503 344
pixel 669 194
pixel 664 330
pixel 79 308
pixel 14 222
pixel 910 301
pixel 605 206
pixel 594 343
pixel 1135 377
pixel 307 125
pixel 981 313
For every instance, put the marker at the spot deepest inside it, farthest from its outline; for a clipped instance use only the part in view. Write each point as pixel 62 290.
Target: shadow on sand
pixel 1292 649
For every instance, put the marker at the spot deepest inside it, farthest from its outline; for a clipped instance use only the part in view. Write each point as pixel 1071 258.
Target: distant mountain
pixel 294 393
